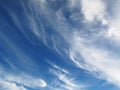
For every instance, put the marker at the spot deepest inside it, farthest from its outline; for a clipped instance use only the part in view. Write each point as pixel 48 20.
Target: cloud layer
pixel 83 48
pixel 83 31
pixel 82 43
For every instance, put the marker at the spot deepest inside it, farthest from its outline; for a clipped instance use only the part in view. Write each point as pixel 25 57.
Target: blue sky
pixel 59 45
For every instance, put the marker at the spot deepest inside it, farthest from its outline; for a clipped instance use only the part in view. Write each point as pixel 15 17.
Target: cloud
pixel 84 52
pixel 100 62
pixel 113 32
pixel 12 81
pixel 25 80
pixel 64 80
pixel 97 59
pixel 58 68
pixel 94 9
pixel 5 85
pixel 17 58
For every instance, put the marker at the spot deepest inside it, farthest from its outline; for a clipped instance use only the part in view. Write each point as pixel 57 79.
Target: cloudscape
pixel 59 45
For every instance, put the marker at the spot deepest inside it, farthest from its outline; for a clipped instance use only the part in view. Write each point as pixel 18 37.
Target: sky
pixel 59 45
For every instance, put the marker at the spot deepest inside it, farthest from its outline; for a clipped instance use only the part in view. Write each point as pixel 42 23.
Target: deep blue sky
pixel 59 45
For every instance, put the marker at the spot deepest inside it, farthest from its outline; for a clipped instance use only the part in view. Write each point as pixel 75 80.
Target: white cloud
pixel 64 80
pixel 93 9
pixel 19 81
pixel 113 31
pixel 100 62
pixel 26 80
pixel 4 85
pixel 58 68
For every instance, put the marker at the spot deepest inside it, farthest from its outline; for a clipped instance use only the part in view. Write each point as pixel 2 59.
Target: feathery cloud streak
pixel 95 58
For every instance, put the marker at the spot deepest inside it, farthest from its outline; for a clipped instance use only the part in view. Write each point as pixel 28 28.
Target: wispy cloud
pixel 64 80
pixel 21 82
pixel 5 85
pixel 11 81
pixel 102 63
pixel 58 68
pixel 83 52
pixel 25 80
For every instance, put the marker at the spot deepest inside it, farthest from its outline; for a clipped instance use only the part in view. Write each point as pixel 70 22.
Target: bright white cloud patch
pixel 93 9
